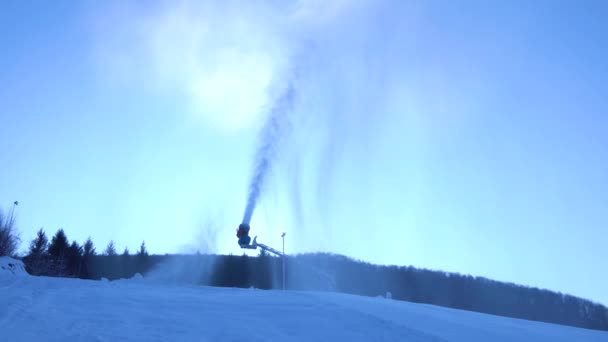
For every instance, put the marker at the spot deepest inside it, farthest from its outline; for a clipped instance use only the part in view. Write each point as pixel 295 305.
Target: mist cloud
pixel 232 60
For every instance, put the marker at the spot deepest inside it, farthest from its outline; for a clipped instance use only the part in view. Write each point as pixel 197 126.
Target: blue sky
pixel 468 137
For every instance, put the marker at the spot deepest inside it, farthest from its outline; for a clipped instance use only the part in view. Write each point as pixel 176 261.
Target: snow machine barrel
pixel 243 234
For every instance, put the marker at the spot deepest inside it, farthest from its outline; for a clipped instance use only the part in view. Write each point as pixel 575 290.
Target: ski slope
pixel 60 309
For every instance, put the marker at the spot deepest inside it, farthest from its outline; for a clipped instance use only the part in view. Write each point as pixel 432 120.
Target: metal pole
pixel 283 256
pixel 12 214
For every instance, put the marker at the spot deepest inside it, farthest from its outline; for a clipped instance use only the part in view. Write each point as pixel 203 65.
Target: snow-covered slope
pixel 58 309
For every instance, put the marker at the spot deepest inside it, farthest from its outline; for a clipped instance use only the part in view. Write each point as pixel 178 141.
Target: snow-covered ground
pixel 59 309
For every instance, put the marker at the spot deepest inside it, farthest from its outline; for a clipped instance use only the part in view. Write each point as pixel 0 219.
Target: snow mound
pixel 12 267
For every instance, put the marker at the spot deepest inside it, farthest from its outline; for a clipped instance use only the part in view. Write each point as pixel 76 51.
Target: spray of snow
pixel 195 263
pixel 226 59
pixel 271 134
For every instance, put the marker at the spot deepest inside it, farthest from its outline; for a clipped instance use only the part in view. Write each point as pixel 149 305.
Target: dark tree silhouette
pixel 262 271
pixel 37 259
pixel 126 264
pixel 74 259
pixel 112 267
pixel 9 239
pixel 142 249
pixel 59 244
pixel 58 249
pixel 38 246
pixel 142 259
pixel 88 252
pixel 110 249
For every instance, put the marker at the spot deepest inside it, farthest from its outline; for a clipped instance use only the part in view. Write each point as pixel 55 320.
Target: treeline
pixel 326 272
pixel 60 258
pixel 261 272
pixel 448 289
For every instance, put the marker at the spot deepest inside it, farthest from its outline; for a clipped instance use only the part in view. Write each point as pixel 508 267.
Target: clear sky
pixel 465 136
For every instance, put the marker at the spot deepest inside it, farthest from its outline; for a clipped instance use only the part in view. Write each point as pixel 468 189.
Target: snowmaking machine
pixel 243 234
pixel 245 240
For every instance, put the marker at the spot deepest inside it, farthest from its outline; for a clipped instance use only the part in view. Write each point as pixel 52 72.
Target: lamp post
pixel 283 256
pixel 11 216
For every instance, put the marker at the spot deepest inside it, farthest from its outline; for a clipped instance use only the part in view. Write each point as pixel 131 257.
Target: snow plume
pixel 270 137
pixel 196 261
pixel 229 65
pixel 220 58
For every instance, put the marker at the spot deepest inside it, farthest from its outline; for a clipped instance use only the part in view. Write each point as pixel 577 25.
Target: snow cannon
pixel 243 234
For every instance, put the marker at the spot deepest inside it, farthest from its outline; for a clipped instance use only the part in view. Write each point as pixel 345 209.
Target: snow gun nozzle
pixel 243 234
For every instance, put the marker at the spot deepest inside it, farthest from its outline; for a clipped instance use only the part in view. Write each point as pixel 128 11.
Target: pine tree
pixel 263 273
pixel 142 258
pixel 89 248
pixel 59 244
pixel 88 252
pixel 125 263
pixel 74 258
pixel 111 265
pixel 37 258
pixel 38 246
pixel 58 249
pixel 110 249
pixel 142 249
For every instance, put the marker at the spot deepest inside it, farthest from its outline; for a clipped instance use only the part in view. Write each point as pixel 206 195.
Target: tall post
pixel 12 213
pixel 283 257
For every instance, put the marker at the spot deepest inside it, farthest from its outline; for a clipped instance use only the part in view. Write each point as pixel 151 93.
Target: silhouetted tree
pixel 262 272
pixel 112 264
pixel 142 249
pixel 58 249
pixel 89 248
pixel 74 259
pixel 110 249
pixel 39 245
pixel 126 264
pixel 9 238
pixel 88 252
pixel 142 259
pixel 37 260
pixel 59 244
pixel 242 275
